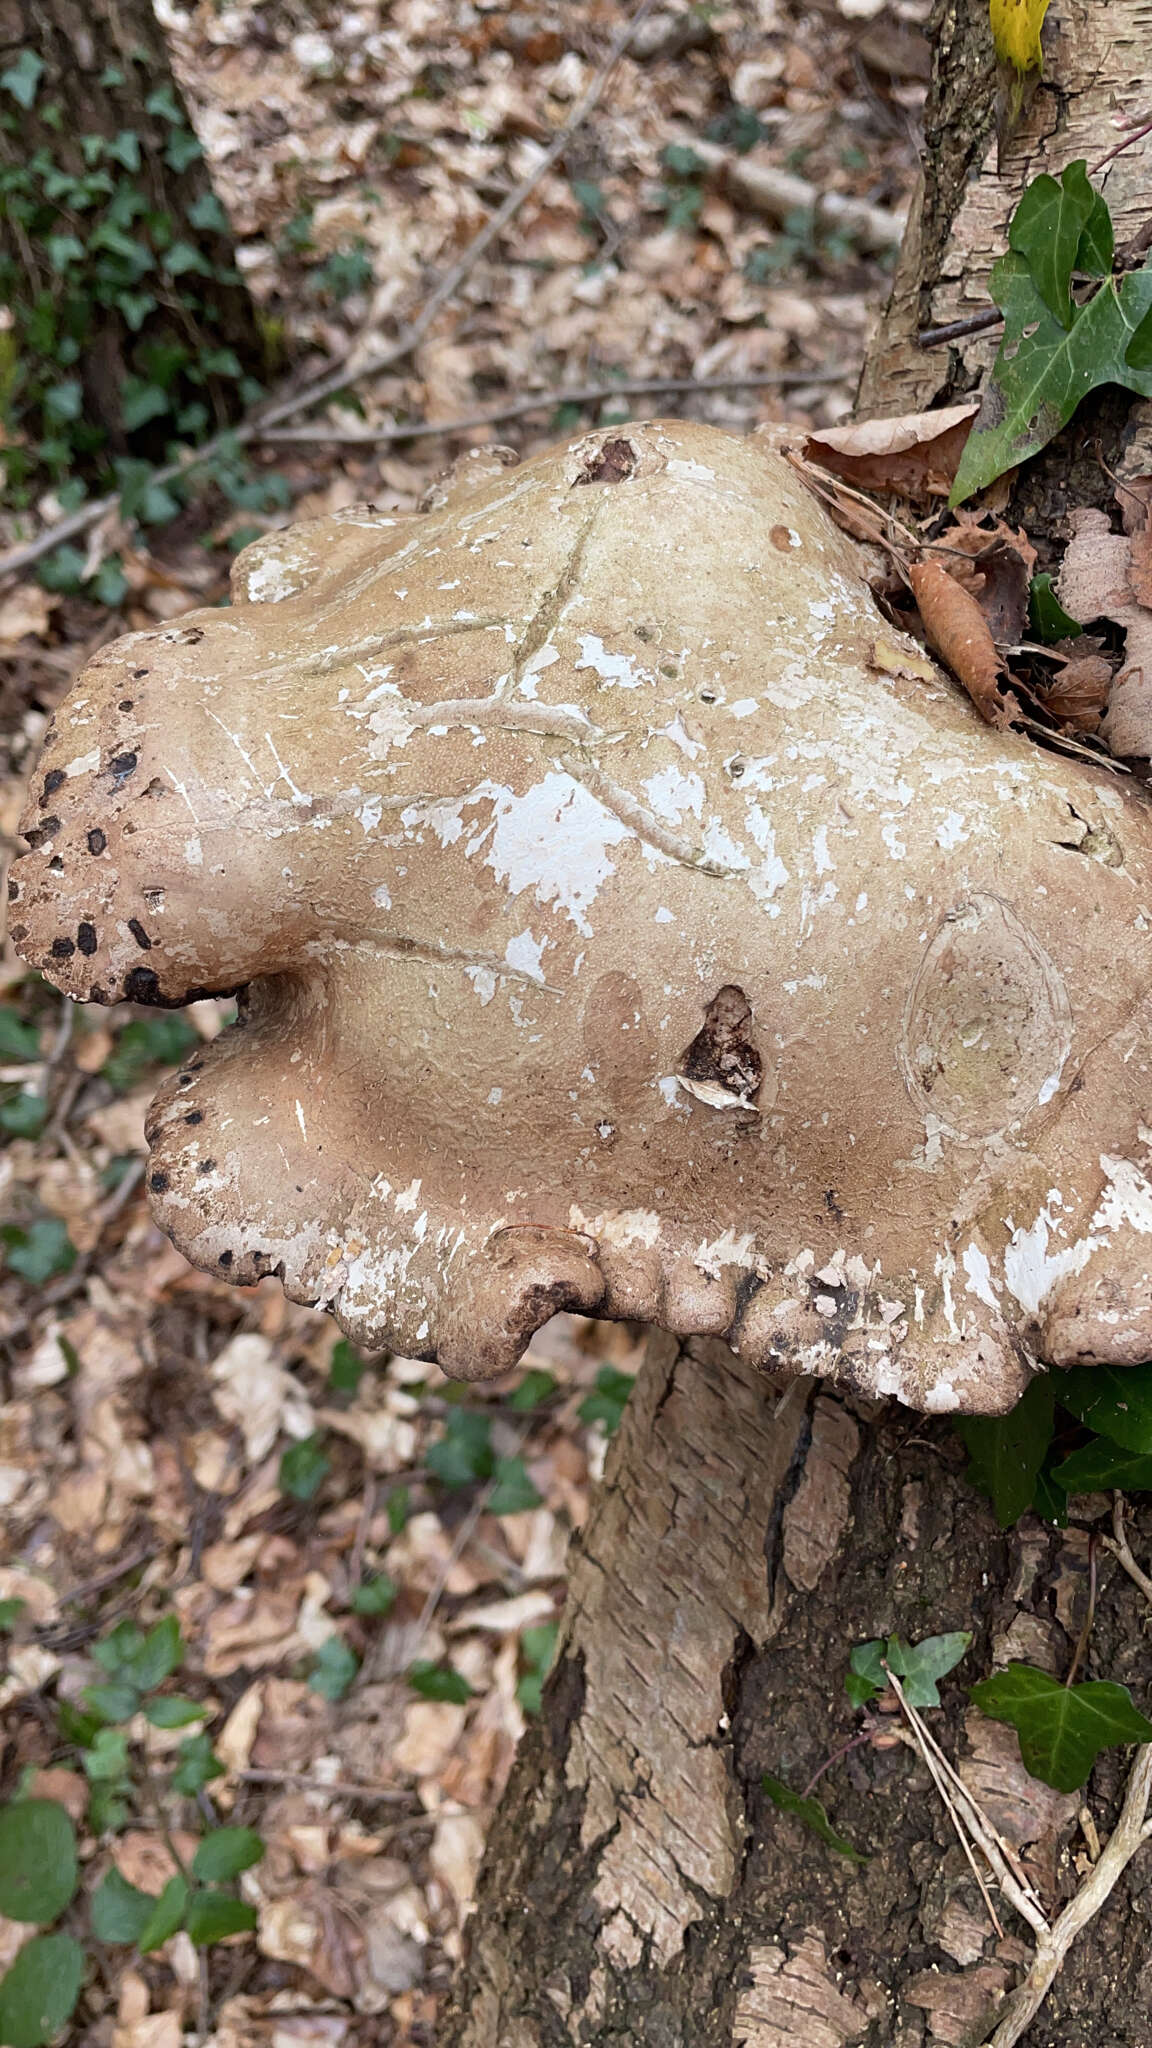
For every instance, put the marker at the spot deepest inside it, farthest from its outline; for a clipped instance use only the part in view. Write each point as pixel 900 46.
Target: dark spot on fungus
pixel 783 538
pixel 225 1259
pixel 722 1054
pixel 86 937
pixel 182 1080
pixel 122 765
pixel 139 934
pixel 97 840
pixel 63 949
pixel 47 829
pixel 141 986
pixel 613 462
pixel 206 1166
pixel 191 636
pixel 159 1182
pixel 52 782
pixel 55 865
pixel 16 932
pixel 125 703
pixel 13 889
pixel 194 1116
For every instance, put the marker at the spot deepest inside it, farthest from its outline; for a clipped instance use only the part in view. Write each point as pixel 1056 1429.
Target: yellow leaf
pixel 1016 26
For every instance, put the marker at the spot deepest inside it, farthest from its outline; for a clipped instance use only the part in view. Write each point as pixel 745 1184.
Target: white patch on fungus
pixel 554 840
pixel 613 669
pixel 524 953
pixel 1031 1271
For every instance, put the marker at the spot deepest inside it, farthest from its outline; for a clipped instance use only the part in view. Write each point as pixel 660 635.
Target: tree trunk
pixel 640 1886
pixel 131 325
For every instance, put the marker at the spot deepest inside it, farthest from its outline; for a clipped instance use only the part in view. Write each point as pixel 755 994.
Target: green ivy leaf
pixel 120 1912
pixel 142 1660
pixel 37 1860
pixel 535 1388
pixel 398 1509
pixel 513 1492
pixel 1102 1463
pixel 608 1402
pixel 106 1757
pixel 464 1452
pixel 24 1114
pixel 333 1669
pixel 304 1468
pixel 22 79
pixel 1115 1403
pixel 919 1665
pixel 375 1596
pixel 1061 1728
pixel 196 1765
pixel 212 1916
pixel 166 1917
pixel 439 1682
pixel 18 1040
pixel 537 1647
pixel 1043 370
pixel 1046 229
pixel 172 1710
pixel 225 1852
pixel 811 1813
pixel 1005 1452
pixel 115 1702
pixel 1047 619
pixel 38 1993
pixel 345 1368
pixel 39 1252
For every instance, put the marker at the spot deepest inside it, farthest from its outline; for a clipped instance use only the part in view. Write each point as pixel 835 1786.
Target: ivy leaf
pixel 1016 26
pixel 38 1994
pixel 225 1852
pixel 213 1915
pixel 120 1912
pixel 22 79
pixel 1005 1452
pixel 1061 1728
pixel 166 1917
pixel 374 1596
pixel 1043 370
pixel 37 1860
pixel 811 1813
pixel 1046 229
pixel 1115 1403
pixel 513 1491
pixel 40 1251
pixel 919 1665
pixel 345 1367
pixel 464 1452
pixel 439 1682
pixel 172 1710
pixel 304 1467
pixel 196 1765
pixel 535 1387
pixel 333 1668
pixel 18 1040
pixel 1101 1463
pixel 866 1674
pixel 608 1402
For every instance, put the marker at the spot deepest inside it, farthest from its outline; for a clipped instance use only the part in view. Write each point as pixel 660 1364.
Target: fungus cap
pixel 619 934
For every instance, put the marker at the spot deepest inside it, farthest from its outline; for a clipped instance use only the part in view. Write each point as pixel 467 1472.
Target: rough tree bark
pixel 639 1886
pixel 105 78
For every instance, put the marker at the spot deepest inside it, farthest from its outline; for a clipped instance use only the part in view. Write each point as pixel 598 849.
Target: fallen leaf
pixel 25 612
pixel 1095 583
pixel 1135 499
pixel 1079 692
pixel 995 565
pixel 916 454
pixel 957 629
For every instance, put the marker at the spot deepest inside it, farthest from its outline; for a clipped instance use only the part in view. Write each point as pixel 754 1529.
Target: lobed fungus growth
pixel 616 936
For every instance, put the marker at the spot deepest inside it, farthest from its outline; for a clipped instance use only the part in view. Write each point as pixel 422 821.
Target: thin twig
pixel 1089 1618
pixel 955 330
pixel 937 1777
pixel 1137 135
pixel 1132 1830
pixel 315 389
pixel 1117 1543
pixel 542 401
pixel 340 1788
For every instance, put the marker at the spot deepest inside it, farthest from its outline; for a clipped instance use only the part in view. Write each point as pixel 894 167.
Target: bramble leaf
pixel 37 1860
pixel 225 1853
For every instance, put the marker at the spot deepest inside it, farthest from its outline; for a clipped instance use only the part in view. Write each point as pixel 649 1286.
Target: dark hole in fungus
pixel 55 865
pixel 125 704
pixel 16 932
pixel 52 782
pixel 63 949
pixel 13 889
pixel 47 829
pixel 206 1166
pixel 141 986
pixel 122 765
pixel 723 1054
pixel 225 1259
pixel 194 1116
pixel 139 934
pixel 86 936
pixel 613 462
pixel 159 1183
pixel 97 840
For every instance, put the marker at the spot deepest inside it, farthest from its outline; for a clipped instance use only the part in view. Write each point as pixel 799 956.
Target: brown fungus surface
pixel 617 938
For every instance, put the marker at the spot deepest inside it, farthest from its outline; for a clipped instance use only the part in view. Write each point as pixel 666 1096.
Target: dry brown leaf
pixel 995 565
pixel 957 629
pixel 1080 691
pixel 25 612
pixel 1135 497
pixel 916 454
pixel 1095 583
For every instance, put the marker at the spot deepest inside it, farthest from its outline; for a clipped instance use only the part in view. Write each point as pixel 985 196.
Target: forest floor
pixel 366 1568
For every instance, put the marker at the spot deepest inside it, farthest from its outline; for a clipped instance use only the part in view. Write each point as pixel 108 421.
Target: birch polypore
pixel 619 935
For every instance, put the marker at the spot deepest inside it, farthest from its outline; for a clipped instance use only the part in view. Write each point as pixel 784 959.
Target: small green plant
pixel 607 1403
pixel 333 1669
pixel 537 1650
pixel 681 196
pixel 918 1666
pixel 39 1868
pixel 38 1251
pixel 439 1682
pixel 1056 347
pixel 1061 1728
pixel 304 1467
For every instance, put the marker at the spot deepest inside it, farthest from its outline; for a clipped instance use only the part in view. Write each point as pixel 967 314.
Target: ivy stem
pixel 1089 1618
pixel 845 1749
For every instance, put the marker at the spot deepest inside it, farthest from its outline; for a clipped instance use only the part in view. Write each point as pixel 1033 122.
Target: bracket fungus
pixel 620 934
